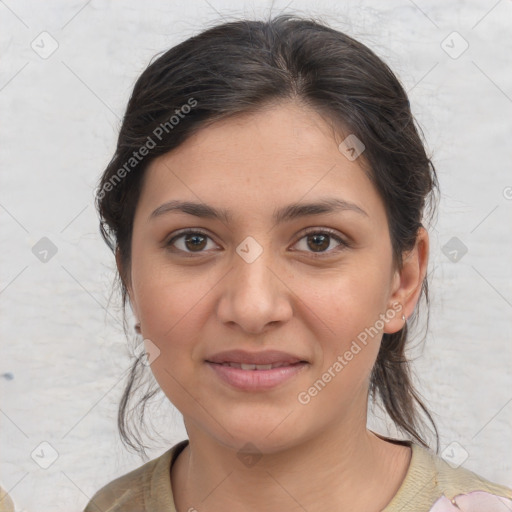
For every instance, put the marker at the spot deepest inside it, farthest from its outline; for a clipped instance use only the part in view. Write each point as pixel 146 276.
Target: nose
pixel 255 296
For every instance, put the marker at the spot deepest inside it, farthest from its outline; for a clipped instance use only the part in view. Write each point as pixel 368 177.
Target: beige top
pixel 148 488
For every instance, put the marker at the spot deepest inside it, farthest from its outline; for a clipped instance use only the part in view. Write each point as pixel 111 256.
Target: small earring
pixel 404 320
pixel 137 328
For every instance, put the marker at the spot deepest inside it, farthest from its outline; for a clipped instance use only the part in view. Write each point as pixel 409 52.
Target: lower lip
pixel 256 380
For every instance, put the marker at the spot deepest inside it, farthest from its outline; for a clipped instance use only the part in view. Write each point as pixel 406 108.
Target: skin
pixel 317 456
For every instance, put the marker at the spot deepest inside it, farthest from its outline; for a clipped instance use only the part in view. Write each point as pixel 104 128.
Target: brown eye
pixel 195 242
pixel 189 242
pixel 318 242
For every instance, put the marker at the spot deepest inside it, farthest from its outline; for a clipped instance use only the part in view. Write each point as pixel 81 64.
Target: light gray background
pixel 64 355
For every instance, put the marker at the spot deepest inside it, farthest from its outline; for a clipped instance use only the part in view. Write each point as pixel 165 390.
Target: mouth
pixel 259 367
pixel 255 371
pixel 239 358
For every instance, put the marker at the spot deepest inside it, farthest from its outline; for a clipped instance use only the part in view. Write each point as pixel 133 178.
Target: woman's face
pixel 309 290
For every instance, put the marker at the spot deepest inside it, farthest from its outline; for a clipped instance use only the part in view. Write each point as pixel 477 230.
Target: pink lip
pixel 255 380
pixel 263 357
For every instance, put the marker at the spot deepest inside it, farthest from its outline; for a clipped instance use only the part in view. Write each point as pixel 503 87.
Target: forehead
pixel 284 153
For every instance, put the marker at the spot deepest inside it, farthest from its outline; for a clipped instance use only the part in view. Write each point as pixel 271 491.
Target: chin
pixel 248 429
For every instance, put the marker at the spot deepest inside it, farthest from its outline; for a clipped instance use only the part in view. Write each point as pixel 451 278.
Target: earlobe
pixel 408 281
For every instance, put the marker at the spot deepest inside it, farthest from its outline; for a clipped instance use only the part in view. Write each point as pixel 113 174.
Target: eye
pixel 320 240
pixel 192 241
pixel 189 241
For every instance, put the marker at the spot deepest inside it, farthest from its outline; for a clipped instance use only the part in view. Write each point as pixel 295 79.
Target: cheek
pixel 167 300
pixel 173 307
pixel 344 302
pixel 343 312
pixel 170 309
pixel 172 313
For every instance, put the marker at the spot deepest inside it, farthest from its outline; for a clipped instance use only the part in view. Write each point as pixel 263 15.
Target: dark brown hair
pixel 240 67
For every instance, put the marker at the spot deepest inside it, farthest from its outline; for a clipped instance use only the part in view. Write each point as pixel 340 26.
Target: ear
pixel 408 281
pixel 126 282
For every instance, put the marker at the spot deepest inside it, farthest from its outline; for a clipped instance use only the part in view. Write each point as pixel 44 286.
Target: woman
pixel 265 206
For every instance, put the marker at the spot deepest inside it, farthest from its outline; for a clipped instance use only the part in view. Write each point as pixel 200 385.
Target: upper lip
pixel 264 357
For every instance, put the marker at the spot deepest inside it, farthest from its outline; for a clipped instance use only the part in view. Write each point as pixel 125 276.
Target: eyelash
pixel 313 231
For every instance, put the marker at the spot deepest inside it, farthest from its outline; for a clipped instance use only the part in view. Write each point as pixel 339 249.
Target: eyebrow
pixel 283 214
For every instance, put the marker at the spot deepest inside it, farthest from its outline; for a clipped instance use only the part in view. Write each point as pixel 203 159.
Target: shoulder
pixel 432 484
pixel 460 480
pixel 145 488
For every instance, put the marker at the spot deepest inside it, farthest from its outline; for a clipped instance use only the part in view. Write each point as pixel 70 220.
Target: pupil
pixel 194 245
pixel 321 238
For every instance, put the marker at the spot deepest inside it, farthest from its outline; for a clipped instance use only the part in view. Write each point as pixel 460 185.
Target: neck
pixel 343 469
